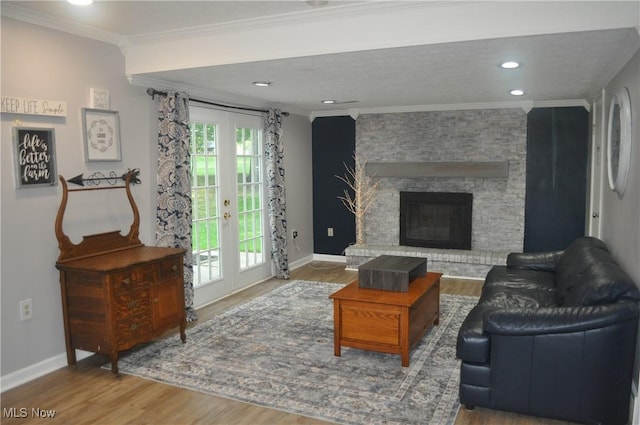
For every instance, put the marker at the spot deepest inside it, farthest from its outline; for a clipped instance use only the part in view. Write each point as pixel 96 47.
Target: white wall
pixel 621 216
pixel 44 64
pixel 296 134
pixel 41 63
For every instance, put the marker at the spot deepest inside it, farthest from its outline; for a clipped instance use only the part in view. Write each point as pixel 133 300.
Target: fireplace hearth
pixel 436 219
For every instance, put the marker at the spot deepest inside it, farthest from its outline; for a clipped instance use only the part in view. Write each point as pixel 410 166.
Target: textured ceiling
pixel 560 66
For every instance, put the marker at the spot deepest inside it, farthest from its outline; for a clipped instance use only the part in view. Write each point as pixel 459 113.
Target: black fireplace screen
pixel 436 219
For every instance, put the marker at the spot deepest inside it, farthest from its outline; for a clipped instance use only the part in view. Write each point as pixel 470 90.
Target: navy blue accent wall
pixel 555 203
pixel 333 145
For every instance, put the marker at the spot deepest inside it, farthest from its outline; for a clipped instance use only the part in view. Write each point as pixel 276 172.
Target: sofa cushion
pixel 505 287
pixel 544 261
pixel 602 283
pixel 509 297
pixel 520 278
pixel 577 258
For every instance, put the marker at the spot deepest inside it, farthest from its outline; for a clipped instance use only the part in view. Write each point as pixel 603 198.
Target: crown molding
pixel 72 27
pixel 312 15
pixel 525 105
pixel 212 95
pixel 563 103
pixel 297 18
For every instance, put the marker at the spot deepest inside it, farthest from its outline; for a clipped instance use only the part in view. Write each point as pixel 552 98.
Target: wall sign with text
pixel 35 156
pixel 101 134
pixel 19 105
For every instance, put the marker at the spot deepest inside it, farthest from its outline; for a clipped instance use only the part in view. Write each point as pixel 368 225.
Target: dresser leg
pixel 114 365
pixel 71 356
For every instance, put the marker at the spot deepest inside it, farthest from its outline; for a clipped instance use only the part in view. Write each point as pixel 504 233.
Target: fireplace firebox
pixel 436 219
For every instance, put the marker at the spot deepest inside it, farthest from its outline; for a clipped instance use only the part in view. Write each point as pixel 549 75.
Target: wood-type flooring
pixel 87 394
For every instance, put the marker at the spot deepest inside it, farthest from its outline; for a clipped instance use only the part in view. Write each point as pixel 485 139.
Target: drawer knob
pixel 174 267
pixel 126 281
pixel 133 303
pixel 133 327
pixel 156 300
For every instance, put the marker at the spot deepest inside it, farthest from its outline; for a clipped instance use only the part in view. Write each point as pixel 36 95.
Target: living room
pixel 41 62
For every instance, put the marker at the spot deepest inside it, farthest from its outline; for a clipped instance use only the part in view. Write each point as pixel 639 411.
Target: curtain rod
pixel 152 92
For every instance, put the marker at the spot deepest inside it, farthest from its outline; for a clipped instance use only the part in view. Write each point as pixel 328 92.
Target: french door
pixel 230 244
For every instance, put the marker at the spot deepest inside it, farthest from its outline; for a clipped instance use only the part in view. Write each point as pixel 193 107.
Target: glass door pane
pixel 250 197
pixel 205 198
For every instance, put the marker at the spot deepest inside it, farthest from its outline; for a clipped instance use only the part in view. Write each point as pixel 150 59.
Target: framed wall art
pixel 35 156
pixel 101 129
pixel 619 141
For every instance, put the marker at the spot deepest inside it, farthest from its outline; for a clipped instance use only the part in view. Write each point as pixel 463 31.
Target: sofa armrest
pixel 570 363
pixel 544 261
pixel 554 320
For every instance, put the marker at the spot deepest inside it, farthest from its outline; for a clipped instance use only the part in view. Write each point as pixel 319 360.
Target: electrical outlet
pixel 26 310
pixel 294 234
pixel 330 231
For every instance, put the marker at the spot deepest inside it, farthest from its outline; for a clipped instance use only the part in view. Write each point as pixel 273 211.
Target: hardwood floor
pixel 87 394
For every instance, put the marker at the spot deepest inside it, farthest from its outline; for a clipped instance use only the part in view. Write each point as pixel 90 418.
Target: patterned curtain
pixel 275 183
pixel 173 216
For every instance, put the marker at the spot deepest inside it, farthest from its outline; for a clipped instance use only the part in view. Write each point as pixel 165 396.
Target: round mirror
pixel 619 141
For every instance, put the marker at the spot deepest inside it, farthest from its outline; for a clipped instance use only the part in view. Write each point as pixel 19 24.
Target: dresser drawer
pixel 133 278
pixel 130 304
pixel 133 329
pixel 170 269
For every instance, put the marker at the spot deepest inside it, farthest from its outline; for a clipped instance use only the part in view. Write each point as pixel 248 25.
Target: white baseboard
pixel 37 370
pixel 301 262
pixel 317 257
pixel 479 279
pixel 330 258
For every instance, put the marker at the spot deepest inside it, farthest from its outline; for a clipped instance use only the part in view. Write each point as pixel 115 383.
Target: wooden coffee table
pixel 385 321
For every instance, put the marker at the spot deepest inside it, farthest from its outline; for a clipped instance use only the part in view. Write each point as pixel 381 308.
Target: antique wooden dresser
pixel 117 292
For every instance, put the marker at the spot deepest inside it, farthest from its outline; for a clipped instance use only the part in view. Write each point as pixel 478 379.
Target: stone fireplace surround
pixel 448 137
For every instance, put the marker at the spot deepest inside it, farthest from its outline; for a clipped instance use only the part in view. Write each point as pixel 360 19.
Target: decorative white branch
pixel 364 193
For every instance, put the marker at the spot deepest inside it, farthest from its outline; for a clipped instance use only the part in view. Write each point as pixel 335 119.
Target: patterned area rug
pixel 277 351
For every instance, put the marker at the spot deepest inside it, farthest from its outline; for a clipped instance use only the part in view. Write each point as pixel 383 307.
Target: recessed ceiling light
pixel 262 83
pixel 81 2
pixel 338 102
pixel 517 92
pixel 510 65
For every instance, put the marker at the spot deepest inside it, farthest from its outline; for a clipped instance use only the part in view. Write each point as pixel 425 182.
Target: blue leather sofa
pixel 553 335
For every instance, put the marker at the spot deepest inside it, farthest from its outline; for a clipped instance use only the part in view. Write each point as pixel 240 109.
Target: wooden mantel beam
pixel 494 169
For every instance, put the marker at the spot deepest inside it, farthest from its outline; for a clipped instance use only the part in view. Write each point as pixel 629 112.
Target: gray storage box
pixel 391 273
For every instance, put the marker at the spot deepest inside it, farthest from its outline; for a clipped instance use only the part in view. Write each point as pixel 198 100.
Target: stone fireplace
pixel 443 140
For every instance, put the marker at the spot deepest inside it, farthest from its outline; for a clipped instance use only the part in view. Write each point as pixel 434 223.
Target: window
pixel 205 199
pixel 250 199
